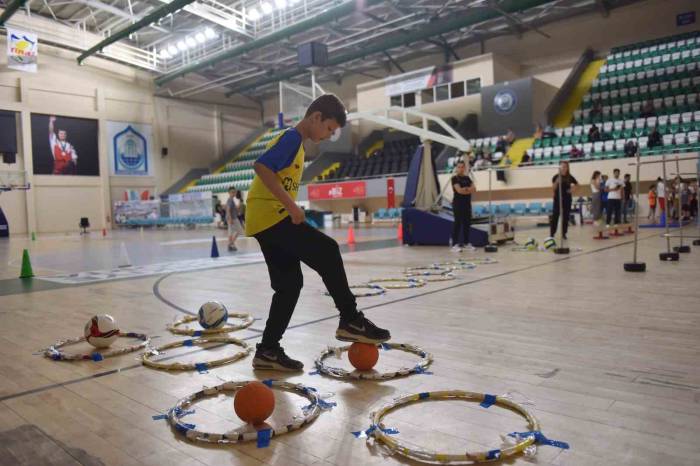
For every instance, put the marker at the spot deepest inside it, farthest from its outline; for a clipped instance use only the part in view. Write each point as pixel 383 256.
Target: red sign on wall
pixel 344 190
pixel 390 194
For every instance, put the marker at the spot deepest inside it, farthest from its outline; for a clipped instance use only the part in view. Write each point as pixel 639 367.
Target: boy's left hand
pixel 297 214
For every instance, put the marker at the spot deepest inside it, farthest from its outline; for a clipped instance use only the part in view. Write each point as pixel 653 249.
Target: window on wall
pixel 457 90
pixel 427 96
pixel 396 101
pixel 442 92
pixel 473 86
pixel 409 100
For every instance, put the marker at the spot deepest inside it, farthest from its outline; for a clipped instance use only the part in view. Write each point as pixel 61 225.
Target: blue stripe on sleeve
pixel 283 153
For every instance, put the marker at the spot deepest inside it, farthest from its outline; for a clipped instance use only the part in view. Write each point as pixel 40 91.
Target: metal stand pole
pixel 490 247
pixel 680 248
pixel 668 255
pixel 561 249
pixel 635 266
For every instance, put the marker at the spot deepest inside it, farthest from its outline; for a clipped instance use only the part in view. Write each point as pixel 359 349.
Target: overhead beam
pixel 143 22
pixel 429 31
pixel 305 25
pixel 393 62
pixel 10 10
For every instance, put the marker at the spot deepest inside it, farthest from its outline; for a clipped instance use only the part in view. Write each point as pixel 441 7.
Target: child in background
pixel 652 203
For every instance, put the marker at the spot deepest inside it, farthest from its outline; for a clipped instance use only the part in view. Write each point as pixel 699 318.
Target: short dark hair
pixel 460 161
pixel 232 188
pixel 616 170
pixel 330 106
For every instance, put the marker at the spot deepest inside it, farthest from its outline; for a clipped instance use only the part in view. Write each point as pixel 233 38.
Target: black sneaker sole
pixel 344 335
pixel 262 364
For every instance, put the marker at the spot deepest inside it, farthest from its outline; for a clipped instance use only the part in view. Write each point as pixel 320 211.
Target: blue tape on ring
pixel 96 356
pixel 187 343
pixel 183 427
pixel 489 400
pixel 493 454
pixel 202 367
pixel 423 396
pixel 197 333
pixel 420 370
pixel 540 439
pixel 267 382
pixel 385 346
pixel 314 373
pixel 158 417
pixel 264 437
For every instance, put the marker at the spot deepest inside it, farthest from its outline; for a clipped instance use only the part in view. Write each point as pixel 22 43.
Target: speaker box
pixel 163 151
pixel 9 157
pixel 312 54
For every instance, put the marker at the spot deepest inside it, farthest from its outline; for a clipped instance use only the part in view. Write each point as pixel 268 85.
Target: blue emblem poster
pixel 129 148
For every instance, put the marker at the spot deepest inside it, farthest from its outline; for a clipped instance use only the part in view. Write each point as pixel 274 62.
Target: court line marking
pixel 322 319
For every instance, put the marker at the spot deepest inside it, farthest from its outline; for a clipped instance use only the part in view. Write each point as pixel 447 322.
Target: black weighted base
pixel 668 256
pixel 491 248
pixel 635 267
pixel 682 249
pixel 561 251
pixel 696 242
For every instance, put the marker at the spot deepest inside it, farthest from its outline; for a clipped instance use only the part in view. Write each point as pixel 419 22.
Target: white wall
pixel 195 133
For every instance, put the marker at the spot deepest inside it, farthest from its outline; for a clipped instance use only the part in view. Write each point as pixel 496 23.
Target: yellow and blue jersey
pixel 285 157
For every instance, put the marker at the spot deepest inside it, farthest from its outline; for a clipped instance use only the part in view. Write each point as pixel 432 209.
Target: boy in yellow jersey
pixel 286 241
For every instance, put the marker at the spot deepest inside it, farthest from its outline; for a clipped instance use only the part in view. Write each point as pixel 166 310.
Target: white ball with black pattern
pixel 101 330
pixel 212 314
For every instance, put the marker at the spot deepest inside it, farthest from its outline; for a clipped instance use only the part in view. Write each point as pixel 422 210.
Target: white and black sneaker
pixel 469 247
pixel 456 248
pixel 275 359
pixel 361 330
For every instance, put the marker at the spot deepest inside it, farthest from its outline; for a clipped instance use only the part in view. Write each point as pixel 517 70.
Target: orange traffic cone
pixel 399 231
pixel 104 232
pixel 351 235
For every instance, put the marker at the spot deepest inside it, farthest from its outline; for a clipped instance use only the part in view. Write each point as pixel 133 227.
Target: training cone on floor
pixel 33 236
pixel 214 248
pixel 27 271
pixel 104 232
pixel 124 260
pixel 351 235
pixel 399 231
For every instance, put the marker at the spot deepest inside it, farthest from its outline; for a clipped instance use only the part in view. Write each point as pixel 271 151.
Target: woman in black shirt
pixel 462 206
pixel 566 187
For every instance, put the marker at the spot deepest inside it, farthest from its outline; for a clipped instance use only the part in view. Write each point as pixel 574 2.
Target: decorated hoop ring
pixel 174 327
pixel 339 373
pixel 398 283
pixel 199 366
pixel 54 351
pixel 378 428
pixel 432 277
pixel 456 265
pixel 477 260
pixel 428 270
pixel 376 290
pixel 310 413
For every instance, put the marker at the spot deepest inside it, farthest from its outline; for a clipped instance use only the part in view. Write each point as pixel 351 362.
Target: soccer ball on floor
pixel 212 314
pixel 530 244
pixel 549 243
pixel 101 330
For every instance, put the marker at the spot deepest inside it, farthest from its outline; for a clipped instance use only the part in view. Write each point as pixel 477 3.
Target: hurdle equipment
pixel 198 366
pixel 55 353
pixel 339 373
pixel 226 328
pixel 309 413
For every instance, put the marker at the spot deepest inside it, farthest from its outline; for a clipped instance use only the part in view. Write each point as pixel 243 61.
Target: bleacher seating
pixel 394 157
pixel 663 72
pixel 239 172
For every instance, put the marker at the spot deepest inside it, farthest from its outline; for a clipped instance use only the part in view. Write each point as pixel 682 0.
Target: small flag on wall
pixel 22 50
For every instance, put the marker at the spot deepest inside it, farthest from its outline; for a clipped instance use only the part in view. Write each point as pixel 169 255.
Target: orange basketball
pixel 363 356
pixel 254 403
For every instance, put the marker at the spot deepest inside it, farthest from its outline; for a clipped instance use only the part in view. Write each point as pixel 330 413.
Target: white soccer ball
pixel 101 331
pixel 212 314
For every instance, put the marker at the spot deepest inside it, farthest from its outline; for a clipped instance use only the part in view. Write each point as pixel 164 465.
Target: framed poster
pixel 129 148
pixel 64 145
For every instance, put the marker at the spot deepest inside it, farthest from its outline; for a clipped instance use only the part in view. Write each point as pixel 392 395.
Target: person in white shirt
pixel 661 195
pixel 614 188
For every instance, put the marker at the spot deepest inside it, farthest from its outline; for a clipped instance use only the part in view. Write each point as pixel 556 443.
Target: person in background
pixel 549 132
pixel 596 199
pixel 220 213
pixel 596 109
pixel 507 161
pixel 525 158
pixel 463 188
pixel 510 137
pixel 694 204
pixel 652 203
pixel 234 225
pixel 593 134
pixel 501 145
pixel 603 194
pixel 567 182
pixel 614 187
pixel 647 110
pixel 627 204
pixel 654 138
pixel 539 131
pixel 575 153
pixel 631 147
pixel 661 196
pixel 240 205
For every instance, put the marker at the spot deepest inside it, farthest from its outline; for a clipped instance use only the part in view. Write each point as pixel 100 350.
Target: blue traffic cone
pixel 214 248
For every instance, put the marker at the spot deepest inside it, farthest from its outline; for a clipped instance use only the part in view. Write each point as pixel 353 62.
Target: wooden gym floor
pixel 606 360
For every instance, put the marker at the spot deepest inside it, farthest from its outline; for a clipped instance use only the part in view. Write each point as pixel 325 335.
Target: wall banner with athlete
pixel 129 148
pixel 64 146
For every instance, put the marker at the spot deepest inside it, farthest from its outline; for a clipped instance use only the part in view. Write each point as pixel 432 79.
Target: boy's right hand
pixel 297 214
